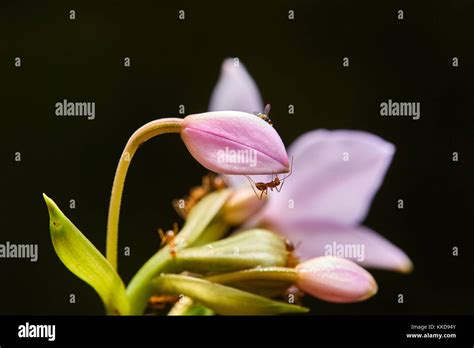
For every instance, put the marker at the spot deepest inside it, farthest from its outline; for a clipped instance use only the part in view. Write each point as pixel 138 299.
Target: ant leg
pixel 286 176
pixel 162 237
pixel 261 195
pixel 281 186
pixel 250 179
pixel 252 183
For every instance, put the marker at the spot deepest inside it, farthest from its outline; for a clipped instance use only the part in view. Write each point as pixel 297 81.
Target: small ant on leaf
pixel 264 115
pixel 276 183
pixel 167 238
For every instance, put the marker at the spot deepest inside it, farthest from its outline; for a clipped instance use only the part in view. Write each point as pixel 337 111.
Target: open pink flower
pixel 334 179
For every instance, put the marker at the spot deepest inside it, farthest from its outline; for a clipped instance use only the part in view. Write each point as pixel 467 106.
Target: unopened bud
pixel 335 279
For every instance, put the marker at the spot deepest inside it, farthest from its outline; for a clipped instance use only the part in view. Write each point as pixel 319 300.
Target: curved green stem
pixel 141 135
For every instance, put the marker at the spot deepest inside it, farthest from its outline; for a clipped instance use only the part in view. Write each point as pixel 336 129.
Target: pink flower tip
pixel 335 279
pixel 234 142
pixel 405 266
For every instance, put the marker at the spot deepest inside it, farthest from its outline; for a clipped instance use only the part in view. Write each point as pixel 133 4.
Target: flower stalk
pixel 141 135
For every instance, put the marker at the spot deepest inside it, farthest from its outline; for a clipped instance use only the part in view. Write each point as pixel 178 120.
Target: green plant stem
pixel 139 290
pixel 141 135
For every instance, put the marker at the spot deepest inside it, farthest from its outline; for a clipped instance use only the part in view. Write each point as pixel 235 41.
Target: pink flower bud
pixel 234 142
pixel 335 279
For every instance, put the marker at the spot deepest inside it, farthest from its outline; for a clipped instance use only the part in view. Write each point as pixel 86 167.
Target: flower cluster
pixel 283 222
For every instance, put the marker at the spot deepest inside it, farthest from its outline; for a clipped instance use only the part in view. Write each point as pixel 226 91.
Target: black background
pixel 177 62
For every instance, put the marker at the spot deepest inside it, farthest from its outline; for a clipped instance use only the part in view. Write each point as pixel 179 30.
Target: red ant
pixel 276 183
pixel 168 238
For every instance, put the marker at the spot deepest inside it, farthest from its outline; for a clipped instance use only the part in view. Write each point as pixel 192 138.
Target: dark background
pixel 177 62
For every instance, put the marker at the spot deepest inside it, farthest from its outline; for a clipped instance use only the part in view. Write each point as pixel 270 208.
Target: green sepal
pixel 245 250
pixel 83 259
pixel 196 230
pixel 264 281
pixel 222 299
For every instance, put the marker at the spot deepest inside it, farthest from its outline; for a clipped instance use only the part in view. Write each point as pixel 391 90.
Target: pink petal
pixel 335 279
pixel 233 142
pixel 323 185
pixel 235 90
pixel 359 244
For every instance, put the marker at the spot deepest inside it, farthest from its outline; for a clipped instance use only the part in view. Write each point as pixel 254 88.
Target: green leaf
pixel 81 257
pixel 249 249
pixel 222 299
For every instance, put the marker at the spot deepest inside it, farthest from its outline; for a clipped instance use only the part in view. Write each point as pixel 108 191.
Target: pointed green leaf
pixel 82 258
pixel 222 299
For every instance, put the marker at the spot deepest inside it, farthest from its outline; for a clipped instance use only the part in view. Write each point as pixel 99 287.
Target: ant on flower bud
pixel 264 115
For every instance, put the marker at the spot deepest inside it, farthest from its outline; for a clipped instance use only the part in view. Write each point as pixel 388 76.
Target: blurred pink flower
pixel 334 179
